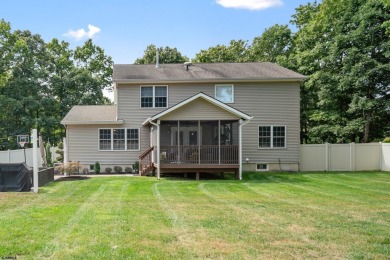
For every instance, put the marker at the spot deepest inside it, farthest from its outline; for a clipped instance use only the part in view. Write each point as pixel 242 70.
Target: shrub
pixel 48 154
pixel 128 170
pixel 136 166
pixel 386 140
pixel 96 167
pixel 69 167
pixel 85 171
pixel 118 169
pixel 60 152
pixel 108 170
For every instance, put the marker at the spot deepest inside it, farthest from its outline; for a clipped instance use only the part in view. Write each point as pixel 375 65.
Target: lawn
pixel 266 215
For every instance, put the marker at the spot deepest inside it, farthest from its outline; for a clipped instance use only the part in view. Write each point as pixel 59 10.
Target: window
pixel 118 139
pixel 261 167
pixel 105 139
pixel 132 139
pixel 154 96
pixel 272 136
pixel 224 93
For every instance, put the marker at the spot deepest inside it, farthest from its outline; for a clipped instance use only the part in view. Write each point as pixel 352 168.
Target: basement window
pixel 261 167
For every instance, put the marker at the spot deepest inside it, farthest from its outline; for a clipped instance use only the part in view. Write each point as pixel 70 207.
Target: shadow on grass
pixel 249 177
pixel 73 178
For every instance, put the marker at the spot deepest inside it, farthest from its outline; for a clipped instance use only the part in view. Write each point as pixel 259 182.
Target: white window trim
pixel 139 140
pixel 272 137
pixel 154 95
pixel 262 170
pixel 222 85
pixel 112 140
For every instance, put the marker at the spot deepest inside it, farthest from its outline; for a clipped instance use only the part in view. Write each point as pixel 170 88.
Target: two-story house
pixel 219 117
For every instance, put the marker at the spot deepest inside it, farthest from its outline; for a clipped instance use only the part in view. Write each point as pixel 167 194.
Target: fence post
pixel 326 157
pixel 9 155
pixel 380 156
pixel 352 157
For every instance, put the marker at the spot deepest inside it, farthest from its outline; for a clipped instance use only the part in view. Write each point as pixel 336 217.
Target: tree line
pixel 40 82
pixel 343 47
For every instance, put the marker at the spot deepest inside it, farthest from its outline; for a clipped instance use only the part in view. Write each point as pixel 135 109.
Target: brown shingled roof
pixel 203 71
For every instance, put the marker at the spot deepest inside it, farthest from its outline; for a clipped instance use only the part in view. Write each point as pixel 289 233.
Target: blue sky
pixel 123 28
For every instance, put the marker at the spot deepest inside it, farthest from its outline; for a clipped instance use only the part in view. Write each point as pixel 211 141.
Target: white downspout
pixel 242 123
pixel 158 146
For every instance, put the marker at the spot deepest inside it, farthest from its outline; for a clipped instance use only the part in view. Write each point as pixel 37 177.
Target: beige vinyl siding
pixel 268 103
pixel 199 109
pixel 83 143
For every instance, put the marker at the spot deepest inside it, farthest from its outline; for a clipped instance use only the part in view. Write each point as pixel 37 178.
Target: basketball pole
pixel 35 159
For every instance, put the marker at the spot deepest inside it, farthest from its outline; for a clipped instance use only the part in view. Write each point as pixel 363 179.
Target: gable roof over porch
pixel 197 102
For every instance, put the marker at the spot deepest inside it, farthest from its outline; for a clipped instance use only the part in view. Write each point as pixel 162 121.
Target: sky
pixel 123 28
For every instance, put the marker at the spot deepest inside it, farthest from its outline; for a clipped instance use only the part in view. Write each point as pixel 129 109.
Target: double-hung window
pixel 272 136
pixel 118 139
pixel 132 139
pixel 224 93
pixel 154 96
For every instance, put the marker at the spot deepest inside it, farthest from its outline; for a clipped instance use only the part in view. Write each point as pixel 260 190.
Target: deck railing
pixel 145 161
pixel 193 154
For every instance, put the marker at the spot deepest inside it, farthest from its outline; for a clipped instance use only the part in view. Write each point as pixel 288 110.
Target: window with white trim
pixel 154 96
pixel 104 139
pixel 118 139
pixel 132 139
pixel 224 93
pixel 272 136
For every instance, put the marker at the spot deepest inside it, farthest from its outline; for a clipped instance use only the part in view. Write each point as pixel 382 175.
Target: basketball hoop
pixel 22 140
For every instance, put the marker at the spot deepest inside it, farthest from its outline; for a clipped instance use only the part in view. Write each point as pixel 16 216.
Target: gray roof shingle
pixel 91 115
pixel 203 72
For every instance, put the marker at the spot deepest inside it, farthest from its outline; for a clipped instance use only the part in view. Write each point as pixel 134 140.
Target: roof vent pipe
pixel 157 58
pixel 187 64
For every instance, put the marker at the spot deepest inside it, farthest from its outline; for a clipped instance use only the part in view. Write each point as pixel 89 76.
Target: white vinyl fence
pixel 17 156
pixel 345 157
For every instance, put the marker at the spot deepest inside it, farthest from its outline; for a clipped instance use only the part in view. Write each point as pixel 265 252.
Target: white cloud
pixel 81 33
pixel 250 4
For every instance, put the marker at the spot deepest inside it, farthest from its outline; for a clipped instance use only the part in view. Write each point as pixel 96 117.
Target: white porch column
pixel 241 124
pixel 157 146
pixel 35 159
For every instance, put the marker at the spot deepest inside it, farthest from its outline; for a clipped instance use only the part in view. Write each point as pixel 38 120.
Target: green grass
pixel 266 215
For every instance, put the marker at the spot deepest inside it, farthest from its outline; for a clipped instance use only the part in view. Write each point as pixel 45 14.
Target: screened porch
pixel 199 142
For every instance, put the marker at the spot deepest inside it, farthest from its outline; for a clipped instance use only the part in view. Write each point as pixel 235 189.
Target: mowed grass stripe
pixel 267 215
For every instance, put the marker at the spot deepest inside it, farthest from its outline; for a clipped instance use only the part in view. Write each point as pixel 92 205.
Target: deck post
pixel 158 146
pixel 241 124
pixel 197 176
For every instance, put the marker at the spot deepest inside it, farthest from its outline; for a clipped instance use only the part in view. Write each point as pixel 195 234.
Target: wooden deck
pixel 199 168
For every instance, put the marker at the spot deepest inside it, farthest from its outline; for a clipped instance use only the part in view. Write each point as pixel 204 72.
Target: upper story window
pixel 272 136
pixel 154 96
pixel 224 93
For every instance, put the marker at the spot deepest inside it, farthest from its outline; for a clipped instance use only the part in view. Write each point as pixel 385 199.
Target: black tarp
pixel 15 177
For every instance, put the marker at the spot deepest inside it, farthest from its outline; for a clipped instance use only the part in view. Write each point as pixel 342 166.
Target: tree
pixel 166 55
pixel 344 47
pixel 236 51
pixel 40 82
pixel 273 45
